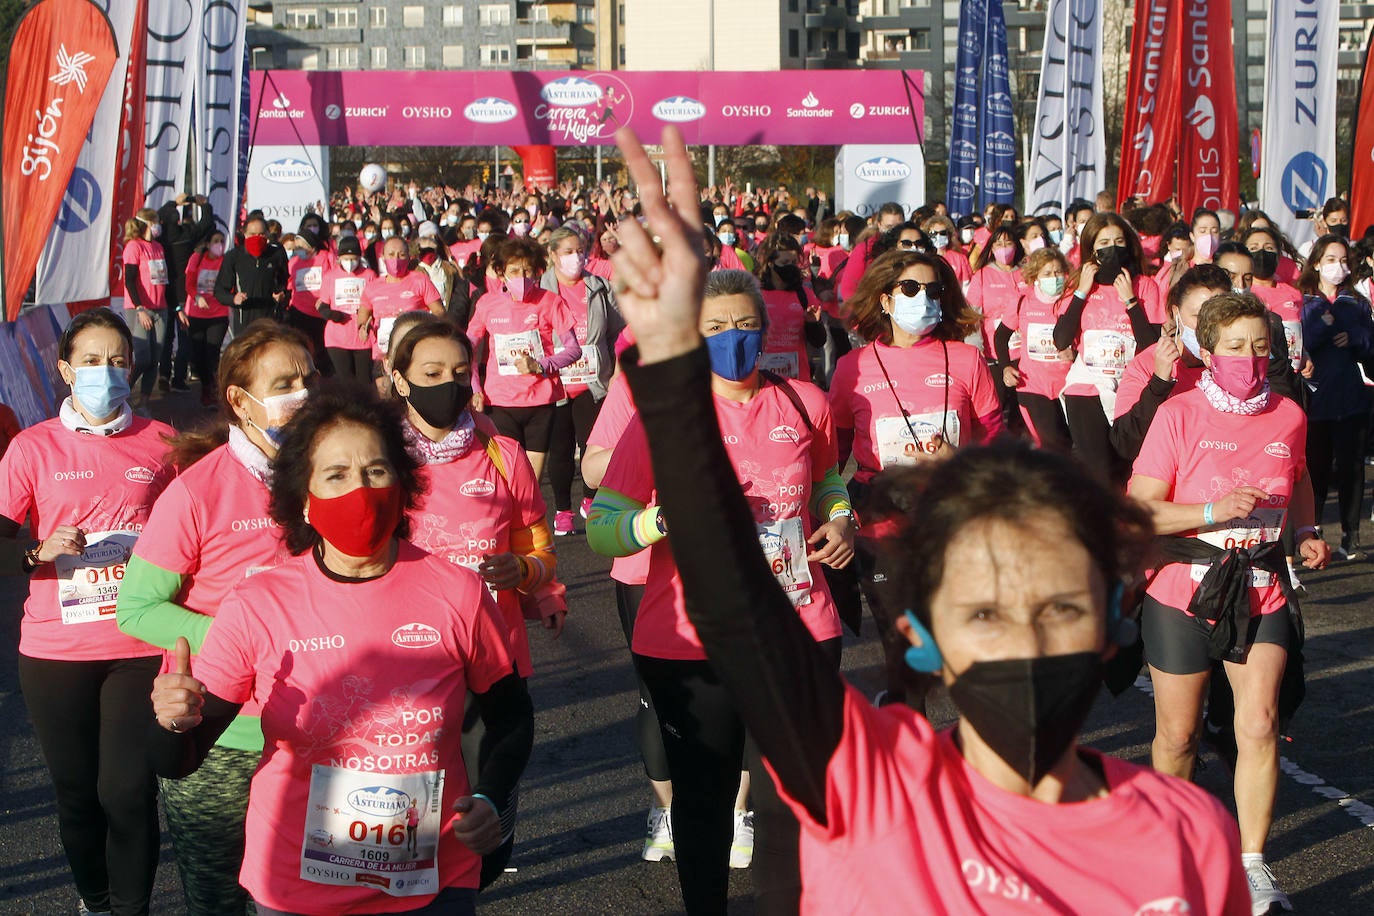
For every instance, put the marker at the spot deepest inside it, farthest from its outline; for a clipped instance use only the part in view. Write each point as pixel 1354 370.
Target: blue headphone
pixel 926 657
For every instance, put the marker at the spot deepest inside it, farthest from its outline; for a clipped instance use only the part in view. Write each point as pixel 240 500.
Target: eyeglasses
pixel 911 287
pixel 910 245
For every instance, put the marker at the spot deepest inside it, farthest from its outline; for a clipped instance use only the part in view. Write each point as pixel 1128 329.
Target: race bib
pixel 1262 526
pixel 896 445
pixel 375 829
pixel 1014 345
pixel 781 364
pixel 784 548
pixel 88 585
pixel 1108 353
pixel 309 278
pixel 348 294
pixel 510 347
pixel 205 282
pixel 586 370
pixel 384 333
pixel 157 271
pixel 1292 333
pixel 1040 343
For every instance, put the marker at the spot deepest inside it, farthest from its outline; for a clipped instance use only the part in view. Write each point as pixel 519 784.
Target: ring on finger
pixel 176 727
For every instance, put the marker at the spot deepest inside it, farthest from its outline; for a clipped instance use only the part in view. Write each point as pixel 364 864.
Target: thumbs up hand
pixel 177 696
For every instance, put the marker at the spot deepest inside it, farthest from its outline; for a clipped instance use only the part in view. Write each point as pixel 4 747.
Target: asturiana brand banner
pixel 585 107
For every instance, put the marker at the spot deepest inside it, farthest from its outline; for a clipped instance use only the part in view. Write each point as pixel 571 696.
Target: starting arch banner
pixel 585 107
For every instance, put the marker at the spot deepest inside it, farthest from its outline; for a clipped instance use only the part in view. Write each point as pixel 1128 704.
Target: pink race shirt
pixel 1106 344
pixel 343 291
pixel 784 346
pixel 469 514
pixel 778 460
pixel 388 299
pixel 1137 378
pixel 949 405
pixel 1286 302
pixel 362 687
pixel 911 827
pixel 104 485
pixel 307 276
pixel 958 262
pixel 511 329
pixel 201 273
pixel 462 251
pixel 1202 454
pixel 995 293
pixel 1032 320
pixel 151 262
pixel 575 377
pixel 617 410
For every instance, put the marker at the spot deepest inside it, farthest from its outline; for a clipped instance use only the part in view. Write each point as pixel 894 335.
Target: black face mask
pixel 1029 710
pixel 440 405
pixel 1266 264
pixel 1340 230
pixel 789 275
pixel 1110 262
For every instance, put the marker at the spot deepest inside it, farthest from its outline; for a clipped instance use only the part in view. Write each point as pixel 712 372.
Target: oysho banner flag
pixel 1149 139
pixel 173 44
pixel 1299 155
pixel 1208 157
pixel 997 180
pixel 60 62
pixel 218 95
pixel 964 146
pixel 1362 157
pixel 1068 150
pixel 81 235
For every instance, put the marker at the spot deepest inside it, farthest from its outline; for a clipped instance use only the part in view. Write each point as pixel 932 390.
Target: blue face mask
pixel 734 353
pixel 102 390
pixel 1188 337
pixel 915 314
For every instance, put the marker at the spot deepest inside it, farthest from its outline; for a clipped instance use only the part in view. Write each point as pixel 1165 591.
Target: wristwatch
pixel 31 561
pixel 844 513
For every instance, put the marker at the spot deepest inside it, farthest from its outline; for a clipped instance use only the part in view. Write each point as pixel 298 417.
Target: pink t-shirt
pixel 151 262
pixel 1202 454
pixel 958 261
pixel 201 273
pixel 513 328
pixel 389 298
pixel 1137 378
pixel 1106 344
pixel 602 267
pixel 784 346
pixel 994 292
pixel 461 251
pixel 1288 271
pixel 617 410
pixel 1286 302
pixel 469 514
pixel 912 827
pixel 1032 320
pixel 307 276
pixel 831 259
pixel 777 459
pixel 104 485
pixel 359 682
pixel 861 400
pixel 575 295
pixel 343 291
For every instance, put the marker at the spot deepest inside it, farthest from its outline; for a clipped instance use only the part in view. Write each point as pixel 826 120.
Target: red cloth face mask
pixel 255 245
pixel 359 522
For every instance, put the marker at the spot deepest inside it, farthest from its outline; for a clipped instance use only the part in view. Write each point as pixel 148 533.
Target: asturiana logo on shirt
pixel 380 801
pixel 415 636
pixel 477 487
pixel 1278 450
pixel 784 434
pixel 139 474
pixel 1165 906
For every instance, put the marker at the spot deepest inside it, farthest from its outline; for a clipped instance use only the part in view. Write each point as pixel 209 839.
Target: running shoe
pixel 562 522
pixel 1349 550
pixel 742 849
pixel 586 507
pixel 1265 896
pixel 84 910
pixel 658 843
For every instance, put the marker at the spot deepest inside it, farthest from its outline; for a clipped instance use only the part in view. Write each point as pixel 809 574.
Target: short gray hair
pixel 737 283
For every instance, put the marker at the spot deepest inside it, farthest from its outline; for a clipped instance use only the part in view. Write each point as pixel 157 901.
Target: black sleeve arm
pixel 508 715
pixel 816 333
pixel 787 691
pixel 205 225
pixel 1283 381
pixel 224 281
pixel 1070 324
pixel 131 285
pixel 1129 429
pixel 11 548
pixel 1146 334
pixel 174 755
pixel 1001 344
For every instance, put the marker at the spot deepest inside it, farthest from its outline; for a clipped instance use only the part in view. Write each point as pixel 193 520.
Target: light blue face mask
pixel 915 314
pixel 1188 337
pixel 102 390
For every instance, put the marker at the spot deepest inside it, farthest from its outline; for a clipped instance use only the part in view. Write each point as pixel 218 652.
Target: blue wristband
pixel 1207 514
pixel 488 801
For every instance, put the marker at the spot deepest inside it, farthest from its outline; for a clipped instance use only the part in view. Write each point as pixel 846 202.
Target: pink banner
pixel 582 108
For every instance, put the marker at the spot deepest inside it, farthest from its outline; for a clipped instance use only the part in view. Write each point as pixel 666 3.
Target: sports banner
pixel 1299 138
pixel 60 63
pixel 287 182
pixel 1208 152
pixel 81 236
pixel 1149 138
pixel 173 44
pixel 218 94
pixel 997 177
pixel 1362 155
pixel 128 176
pixel 1068 144
pixel 964 141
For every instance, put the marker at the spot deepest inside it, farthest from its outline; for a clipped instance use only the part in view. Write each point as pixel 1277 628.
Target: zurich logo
pixel 288 171
pixel 1305 180
pixel 81 203
pixel 571 92
pixel 381 801
pixel 882 170
pixel 1203 117
pixel 490 110
pixel 678 109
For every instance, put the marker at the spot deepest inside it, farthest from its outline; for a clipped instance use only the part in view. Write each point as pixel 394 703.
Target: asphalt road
pixel 585 795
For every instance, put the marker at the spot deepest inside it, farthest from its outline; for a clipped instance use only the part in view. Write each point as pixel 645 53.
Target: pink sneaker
pixel 562 523
pixel 586 507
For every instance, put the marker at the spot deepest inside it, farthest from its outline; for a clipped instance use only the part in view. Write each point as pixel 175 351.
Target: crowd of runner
pixel 1041 451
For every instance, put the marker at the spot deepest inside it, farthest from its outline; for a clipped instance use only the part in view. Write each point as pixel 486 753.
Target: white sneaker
pixel 742 848
pixel 658 844
pixel 1265 896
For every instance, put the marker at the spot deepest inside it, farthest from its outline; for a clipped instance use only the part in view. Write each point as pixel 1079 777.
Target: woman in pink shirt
pixel 1012 565
pixel 1282 298
pixel 145 289
pixel 310 260
pixel 996 286
pixel 1037 373
pixel 399 289
pixel 85 481
pixel 942 235
pixel 794 312
pixel 205 317
pixel 360 651
pixel 528 335
pixel 341 296
pixel 1223 471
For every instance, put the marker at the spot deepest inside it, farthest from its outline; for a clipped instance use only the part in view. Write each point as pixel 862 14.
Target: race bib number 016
pixel 1261 526
pixel 896 445
pixel 1040 343
pixel 584 371
pixel 373 829
pixel 1108 353
pixel 510 347
pixel 785 365
pixel 88 585
pixel 784 547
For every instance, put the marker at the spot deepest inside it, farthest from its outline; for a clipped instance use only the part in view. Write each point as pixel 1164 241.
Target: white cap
pixel 428 230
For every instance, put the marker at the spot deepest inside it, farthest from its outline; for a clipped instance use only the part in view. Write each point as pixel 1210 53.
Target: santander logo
pixel 477 487
pixel 415 636
pixel 1203 117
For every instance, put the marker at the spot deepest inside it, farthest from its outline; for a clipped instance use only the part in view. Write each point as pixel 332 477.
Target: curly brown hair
pixel 524 249
pixel 866 315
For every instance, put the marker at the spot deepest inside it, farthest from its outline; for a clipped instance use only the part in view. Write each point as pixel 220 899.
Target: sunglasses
pixel 911 245
pixel 910 288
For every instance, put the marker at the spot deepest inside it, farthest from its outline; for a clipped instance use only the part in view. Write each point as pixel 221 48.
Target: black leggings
pixel 351 364
pixel 532 427
pixel 1045 417
pixel 572 424
pixel 1091 434
pixel 1335 454
pixel 627 598
pixel 704 739
pixel 91 719
pixel 207 337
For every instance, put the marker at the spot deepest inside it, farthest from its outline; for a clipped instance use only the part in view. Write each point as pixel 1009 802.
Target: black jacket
pixel 259 278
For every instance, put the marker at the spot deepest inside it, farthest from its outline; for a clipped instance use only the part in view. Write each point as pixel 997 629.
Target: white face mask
pixel 388 233
pixel 941 240
pixel 842 240
pixel 280 408
pixel 348 264
pixel 1334 274
pixel 915 314
pixel 1188 337
pixel 966 235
